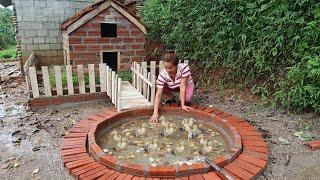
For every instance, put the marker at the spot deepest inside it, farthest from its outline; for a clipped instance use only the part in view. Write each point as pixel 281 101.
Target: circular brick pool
pixel 247 152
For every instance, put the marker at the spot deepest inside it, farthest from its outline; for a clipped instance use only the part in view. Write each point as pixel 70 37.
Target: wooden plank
pixel 82 89
pixel 133 66
pixel 119 95
pixel 69 79
pixel 153 65
pixel 109 81
pixel 34 82
pixel 115 90
pixel 139 75
pixel 141 80
pixel 145 85
pixel 138 78
pixel 149 87
pixel 112 86
pixel 161 66
pixel 46 81
pixel 153 89
pixel 103 77
pixel 92 79
pixel 57 74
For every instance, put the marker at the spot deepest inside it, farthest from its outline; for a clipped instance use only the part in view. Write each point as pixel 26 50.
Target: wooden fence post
pixel 69 79
pixel 46 81
pixel 92 80
pixel 119 95
pixel 82 88
pixel 57 74
pixel 153 89
pixel 103 77
pixel 34 82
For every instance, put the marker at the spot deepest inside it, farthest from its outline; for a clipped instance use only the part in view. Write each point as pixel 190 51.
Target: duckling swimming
pixel 116 137
pixel 179 149
pixel 168 130
pixel 206 149
pixel 121 145
pixel 187 123
pixel 140 130
pixel 150 147
pixel 164 123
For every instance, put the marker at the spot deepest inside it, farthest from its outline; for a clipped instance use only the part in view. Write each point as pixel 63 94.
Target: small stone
pixel 16 164
pixel 36 148
pixel 110 153
pixel 36 171
pixel 151 159
pixel 105 150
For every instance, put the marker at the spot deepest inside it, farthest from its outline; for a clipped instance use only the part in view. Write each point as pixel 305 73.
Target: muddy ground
pixel 30 141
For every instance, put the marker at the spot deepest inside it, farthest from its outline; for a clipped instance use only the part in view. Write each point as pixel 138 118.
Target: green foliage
pixel 272 45
pixel 10 52
pixel 125 76
pixel 7 34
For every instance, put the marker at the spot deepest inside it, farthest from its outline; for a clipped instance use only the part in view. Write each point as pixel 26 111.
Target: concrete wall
pixel 38 27
pixel 85 44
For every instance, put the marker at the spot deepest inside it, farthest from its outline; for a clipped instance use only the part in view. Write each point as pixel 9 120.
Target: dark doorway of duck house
pixel 111 59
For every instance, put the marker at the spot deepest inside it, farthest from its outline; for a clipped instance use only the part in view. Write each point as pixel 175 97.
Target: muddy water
pixel 170 142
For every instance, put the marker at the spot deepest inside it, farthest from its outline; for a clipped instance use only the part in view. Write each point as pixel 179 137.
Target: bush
pixel 7 34
pixel 271 45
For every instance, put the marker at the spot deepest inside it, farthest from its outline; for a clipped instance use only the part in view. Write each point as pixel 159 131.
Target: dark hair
pixel 171 57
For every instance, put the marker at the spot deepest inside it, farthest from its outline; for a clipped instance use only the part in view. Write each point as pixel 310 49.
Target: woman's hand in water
pixel 154 118
pixel 186 108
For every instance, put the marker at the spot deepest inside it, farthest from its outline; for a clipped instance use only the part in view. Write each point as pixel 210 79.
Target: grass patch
pixel 10 52
pixel 125 75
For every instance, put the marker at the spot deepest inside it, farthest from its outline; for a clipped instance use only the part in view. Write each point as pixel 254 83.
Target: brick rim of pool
pixel 227 131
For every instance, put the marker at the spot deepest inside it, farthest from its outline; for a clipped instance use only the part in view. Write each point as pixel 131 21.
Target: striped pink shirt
pixel 182 71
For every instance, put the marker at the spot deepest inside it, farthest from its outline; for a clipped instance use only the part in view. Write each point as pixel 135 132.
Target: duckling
pixel 168 130
pixel 179 149
pixel 121 145
pixel 202 141
pixel 187 123
pixel 140 130
pixel 206 149
pixel 116 137
pixel 164 123
pixel 196 131
pixel 152 146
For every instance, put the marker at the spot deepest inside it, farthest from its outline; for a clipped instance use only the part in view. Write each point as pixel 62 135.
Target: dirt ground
pixel 30 141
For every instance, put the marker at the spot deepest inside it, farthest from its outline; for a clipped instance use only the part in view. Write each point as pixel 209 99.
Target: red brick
pixel 89 40
pixel 140 39
pixel 77 159
pixel 73 151
pixel 92 172
pixel 196 177
pixel 114 176
pixel 75 164
pixel 241 173
pixel 259 155
pixel 85 168
pixel 256 149
pixel 95 148
pixel 109 161
pixel 75 40
pixel 79 47
pixel 161 171
pixel 253 160
pixel 132 168
pixel 245 165
pixel 259 143
pixel 314 144
pixel 211 176
pixel 96 118
pixel 107 174
pixel 96 175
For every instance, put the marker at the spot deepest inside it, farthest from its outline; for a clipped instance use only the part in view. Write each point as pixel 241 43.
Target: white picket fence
pixel 109 82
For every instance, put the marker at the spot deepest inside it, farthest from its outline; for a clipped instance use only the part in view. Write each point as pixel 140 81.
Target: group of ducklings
pixel 192 130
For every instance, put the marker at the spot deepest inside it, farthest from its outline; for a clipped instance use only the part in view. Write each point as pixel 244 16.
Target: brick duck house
pixel 104 32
